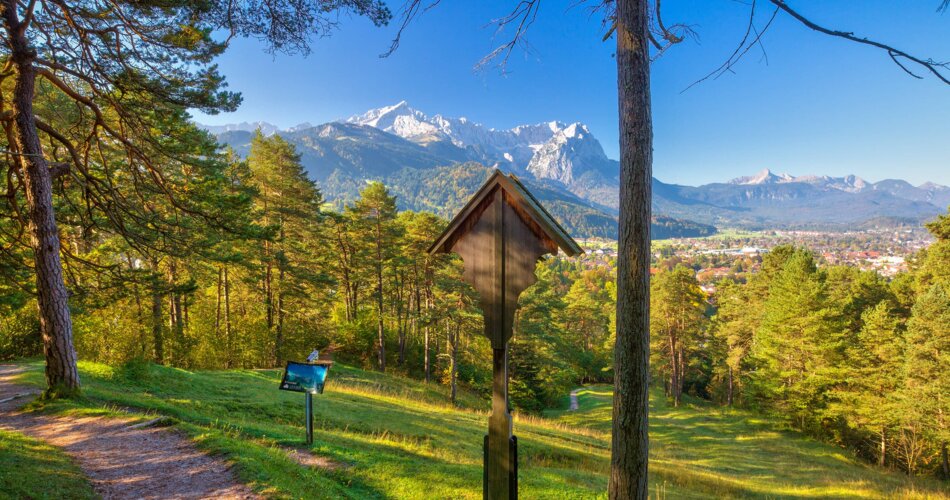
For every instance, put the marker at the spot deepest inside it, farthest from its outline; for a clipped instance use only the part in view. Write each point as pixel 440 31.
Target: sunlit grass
pixel 729 453
pixel 390 437
pixel 32 469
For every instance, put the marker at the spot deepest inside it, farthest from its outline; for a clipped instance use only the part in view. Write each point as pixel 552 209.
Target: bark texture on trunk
pixel 279 338
pixel 227 319
pixel 945 460
pixel 731 389
pixel 158 341
pixel 381 353
pixel 882 459
pixel 52 297
pixel 455 353
pixel 176 322
pixel 628 467
pixel 426 341
pixel 217 304
pixel 674 371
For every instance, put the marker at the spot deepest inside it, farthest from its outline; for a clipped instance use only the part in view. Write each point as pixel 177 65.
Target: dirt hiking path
pixel 122 461
pixel 574 404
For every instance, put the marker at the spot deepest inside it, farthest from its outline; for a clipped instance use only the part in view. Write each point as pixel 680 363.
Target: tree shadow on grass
pixel 724 453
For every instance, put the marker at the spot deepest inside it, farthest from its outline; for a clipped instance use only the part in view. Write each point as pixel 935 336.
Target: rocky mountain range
pixel 769 200
pixel 565 162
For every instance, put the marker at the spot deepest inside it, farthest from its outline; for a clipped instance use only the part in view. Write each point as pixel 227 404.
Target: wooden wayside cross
pixel 500 235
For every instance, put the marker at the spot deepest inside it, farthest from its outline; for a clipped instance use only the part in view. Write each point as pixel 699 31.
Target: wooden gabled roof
pixel 529 205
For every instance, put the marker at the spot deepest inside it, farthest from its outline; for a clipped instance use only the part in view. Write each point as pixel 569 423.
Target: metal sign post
pixel 500 235
pixel 309 417
pixel 308 378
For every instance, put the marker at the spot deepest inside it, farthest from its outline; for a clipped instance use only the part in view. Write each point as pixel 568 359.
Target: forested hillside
pixel 842 354
pixel 259 269
pixel 436 177
pixel 445 190
pixel 397 144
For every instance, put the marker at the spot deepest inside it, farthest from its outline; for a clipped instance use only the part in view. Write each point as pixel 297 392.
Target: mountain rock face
pixel 567 154
pixel 424 160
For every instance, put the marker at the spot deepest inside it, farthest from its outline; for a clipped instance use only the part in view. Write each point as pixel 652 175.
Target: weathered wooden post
pixel 500 235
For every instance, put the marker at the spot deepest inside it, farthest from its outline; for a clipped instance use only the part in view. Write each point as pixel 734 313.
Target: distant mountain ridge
pixel 927 191
pixel 565 153
pixel 566 159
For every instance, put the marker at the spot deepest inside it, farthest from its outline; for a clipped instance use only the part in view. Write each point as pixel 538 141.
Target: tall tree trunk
pixel 680 370
pixel 157 338
pixel 279 338
pixel 140 317
pixel 674 370
pixel 379 297
pixel 455 351
pixel 629 456
pixel 268 295
pixel 217 304
pixel 345 271
pixel 425 343
pixel 417 316
pixel 175 321
pixel 883 451
pixel 52 297
pixel 186 322
pixel 402 323
pixel 945 460
pixel 179 330
pixel 731 388
pixel 227 319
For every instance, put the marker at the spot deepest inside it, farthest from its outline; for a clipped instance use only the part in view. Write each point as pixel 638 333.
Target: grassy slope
pixel 728 453
pixel 51 473
pixel 394 437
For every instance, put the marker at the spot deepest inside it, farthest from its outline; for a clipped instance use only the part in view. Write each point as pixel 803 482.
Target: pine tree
pixel 733 328
pixel 932 262
pixel 873 375
pixel 420 230
pixel 289 206
pixel 376 208
pixel 799 343
pixel 586 320
pixel 677 307
pixel 540 365
pixel 127 72
pixel 927 384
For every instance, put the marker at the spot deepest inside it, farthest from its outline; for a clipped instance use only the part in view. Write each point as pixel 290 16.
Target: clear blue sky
pixel 818 105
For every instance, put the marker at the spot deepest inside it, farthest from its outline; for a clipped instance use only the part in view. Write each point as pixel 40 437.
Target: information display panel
pixel 305 377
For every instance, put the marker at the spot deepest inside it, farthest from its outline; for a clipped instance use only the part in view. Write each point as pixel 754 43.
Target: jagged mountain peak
pixel 849 183
pixel 764 176
pixel 399 119
pixel 555 150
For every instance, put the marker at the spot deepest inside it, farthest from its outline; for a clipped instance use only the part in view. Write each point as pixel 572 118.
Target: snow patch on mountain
pixel 763 177
pixel 569 147
pixel 550 150
pixel 848 183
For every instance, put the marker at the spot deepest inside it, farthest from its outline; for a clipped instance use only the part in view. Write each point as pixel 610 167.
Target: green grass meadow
pixel 33 469
pixel 390 437
pixel 720 452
